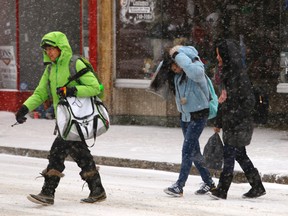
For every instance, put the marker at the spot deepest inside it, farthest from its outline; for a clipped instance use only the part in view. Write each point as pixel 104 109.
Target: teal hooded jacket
pixel 87 86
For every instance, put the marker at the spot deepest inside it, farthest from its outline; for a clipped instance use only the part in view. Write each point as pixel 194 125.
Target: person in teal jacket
pixel 56 55
pixel 191 96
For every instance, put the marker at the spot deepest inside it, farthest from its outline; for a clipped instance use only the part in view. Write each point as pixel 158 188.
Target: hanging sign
pixel 8 71
pixel 136 11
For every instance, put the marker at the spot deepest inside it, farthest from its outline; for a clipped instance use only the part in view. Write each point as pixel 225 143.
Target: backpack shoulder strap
pixel 209 86
pixel 74 75
pixel 49 82
pixel 72 65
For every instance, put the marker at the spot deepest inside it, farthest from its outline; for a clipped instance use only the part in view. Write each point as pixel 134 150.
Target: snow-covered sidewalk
pixel 268 150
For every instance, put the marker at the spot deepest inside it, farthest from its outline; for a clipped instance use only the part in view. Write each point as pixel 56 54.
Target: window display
pixel 144 28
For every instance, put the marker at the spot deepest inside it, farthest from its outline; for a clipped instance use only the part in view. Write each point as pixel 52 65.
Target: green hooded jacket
pixel 87 86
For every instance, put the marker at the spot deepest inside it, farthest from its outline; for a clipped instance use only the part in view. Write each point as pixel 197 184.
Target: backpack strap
pixel 209 98
pixel 49 82
pixel 74 75
pixel 49 92
pixel 79 131
pixel 95 127
pixel 78 75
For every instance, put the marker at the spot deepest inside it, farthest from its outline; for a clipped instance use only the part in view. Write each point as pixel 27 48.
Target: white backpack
pixel 81 118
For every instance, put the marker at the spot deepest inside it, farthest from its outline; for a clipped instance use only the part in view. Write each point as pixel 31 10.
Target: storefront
pixel 144 29
pixel 22 25
pixel 127 39
pixel 282 87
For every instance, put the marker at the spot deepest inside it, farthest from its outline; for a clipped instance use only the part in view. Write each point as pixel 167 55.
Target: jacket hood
pixel 56 39
pixel 190 51
pixel 230 52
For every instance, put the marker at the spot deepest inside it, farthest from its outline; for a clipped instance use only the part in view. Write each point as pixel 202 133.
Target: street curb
pixel 239 177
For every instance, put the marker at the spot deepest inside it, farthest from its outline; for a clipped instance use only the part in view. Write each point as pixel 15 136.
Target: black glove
pixel 20 115
pixel 174 55
pixel 174 51
pixel 66 91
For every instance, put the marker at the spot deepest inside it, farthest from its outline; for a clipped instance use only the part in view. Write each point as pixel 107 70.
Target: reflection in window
pixel 144 28
pixel 8 70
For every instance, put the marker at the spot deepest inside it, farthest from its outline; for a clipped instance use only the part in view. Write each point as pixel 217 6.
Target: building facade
pixel 125 39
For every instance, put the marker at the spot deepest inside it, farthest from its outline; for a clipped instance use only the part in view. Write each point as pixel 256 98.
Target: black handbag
pixel 213 152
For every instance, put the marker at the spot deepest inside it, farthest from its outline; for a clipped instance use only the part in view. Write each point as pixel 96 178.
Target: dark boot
pixel 97 192
pixel 46 196
pixel 255 181
pixel 223 186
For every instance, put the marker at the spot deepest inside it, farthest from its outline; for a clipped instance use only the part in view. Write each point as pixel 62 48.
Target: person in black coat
pixel 235 118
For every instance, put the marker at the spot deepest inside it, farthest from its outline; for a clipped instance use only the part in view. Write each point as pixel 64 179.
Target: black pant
pixel 239 154
pixel 78 150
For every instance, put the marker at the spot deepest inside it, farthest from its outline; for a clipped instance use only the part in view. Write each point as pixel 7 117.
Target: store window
pixel 31 31
pixel 284 42
pixel 143 29
pixel 255 24
pixel 8 71
pixel 85 28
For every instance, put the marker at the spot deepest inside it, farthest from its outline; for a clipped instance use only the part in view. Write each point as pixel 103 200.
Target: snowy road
pixel 130 192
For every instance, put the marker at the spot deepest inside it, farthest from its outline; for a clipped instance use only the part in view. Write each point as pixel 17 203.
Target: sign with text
pixel 8 70
pixel 136 11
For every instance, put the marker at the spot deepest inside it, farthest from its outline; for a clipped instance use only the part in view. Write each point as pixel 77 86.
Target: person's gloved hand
pixel 66 91
pixel 20 114
pixel 174 51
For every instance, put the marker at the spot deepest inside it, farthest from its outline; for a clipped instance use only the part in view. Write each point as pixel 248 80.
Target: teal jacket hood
pixel 56 39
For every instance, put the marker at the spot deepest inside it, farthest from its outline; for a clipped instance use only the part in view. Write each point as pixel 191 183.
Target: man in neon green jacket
pixel 57 53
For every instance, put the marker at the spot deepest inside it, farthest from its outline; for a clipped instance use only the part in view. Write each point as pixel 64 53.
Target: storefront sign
pixel 135 11
pixel 8 71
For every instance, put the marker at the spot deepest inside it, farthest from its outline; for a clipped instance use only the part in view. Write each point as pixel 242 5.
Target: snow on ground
pixel 129 192
pixel 133 191
pixel 268 149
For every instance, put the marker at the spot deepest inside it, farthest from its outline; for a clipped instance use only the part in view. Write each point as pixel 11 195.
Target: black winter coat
pixel 235 114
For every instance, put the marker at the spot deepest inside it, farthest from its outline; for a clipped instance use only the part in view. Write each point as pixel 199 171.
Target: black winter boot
pixel 255 181
pixel 223 186
pixel 97 192
pixel 46 196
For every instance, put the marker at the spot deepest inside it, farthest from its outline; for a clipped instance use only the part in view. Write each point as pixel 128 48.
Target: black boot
pixel 223 186
pixel 46 196
pixel 255 181
pixel 97 191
